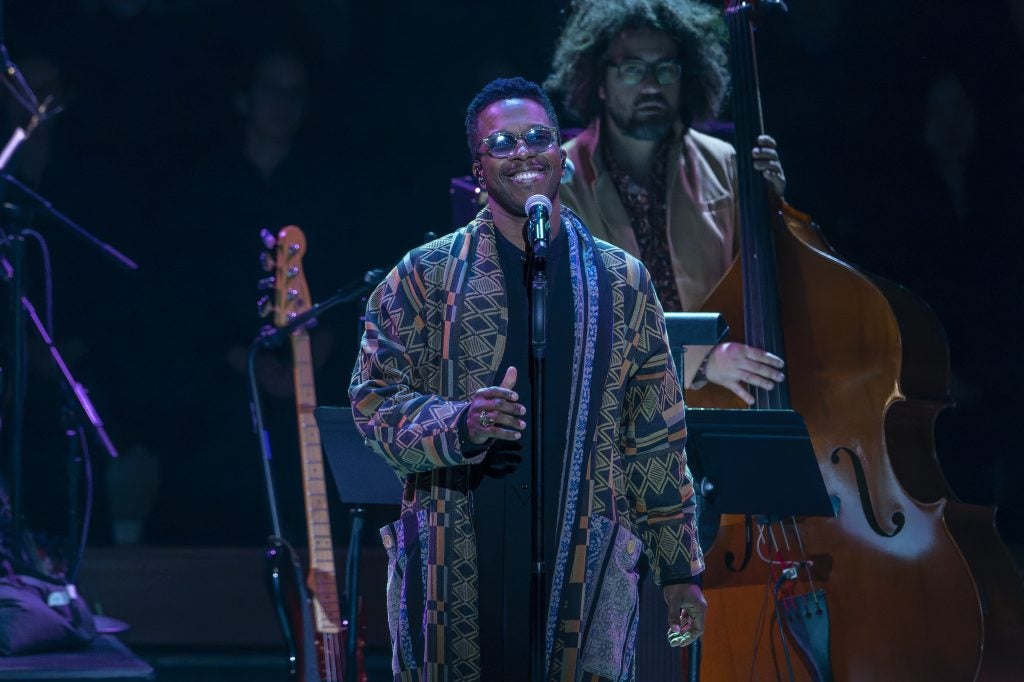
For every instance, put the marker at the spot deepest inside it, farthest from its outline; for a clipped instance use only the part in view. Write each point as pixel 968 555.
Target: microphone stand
pixel 102 247
pixel 272 337
pixel 537 267
pixel 79 406
pixel 12 271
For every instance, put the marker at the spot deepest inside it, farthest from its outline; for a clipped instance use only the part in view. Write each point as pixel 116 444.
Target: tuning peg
pixel 267 261
pixel 264 307
pixel 265 283
pixel 268 238
pixel 292 271
pixel 293 294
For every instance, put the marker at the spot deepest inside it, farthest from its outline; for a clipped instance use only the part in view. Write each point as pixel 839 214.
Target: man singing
pixel 440 391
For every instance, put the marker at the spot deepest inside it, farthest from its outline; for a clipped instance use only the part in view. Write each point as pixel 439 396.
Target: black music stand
pixel 753 462
pixel 694 329
pixel 758 462
pixel 363 479
pixel 361 475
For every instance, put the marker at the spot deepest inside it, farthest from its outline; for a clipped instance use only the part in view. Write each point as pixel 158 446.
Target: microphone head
pixel 538 200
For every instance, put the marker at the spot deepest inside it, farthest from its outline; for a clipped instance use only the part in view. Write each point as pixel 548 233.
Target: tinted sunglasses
pixel 504 144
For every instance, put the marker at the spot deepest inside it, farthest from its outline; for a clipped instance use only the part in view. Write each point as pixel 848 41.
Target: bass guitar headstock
pixel 283 258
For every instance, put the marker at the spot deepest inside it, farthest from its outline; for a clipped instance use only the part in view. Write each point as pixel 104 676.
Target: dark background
pixel 145 157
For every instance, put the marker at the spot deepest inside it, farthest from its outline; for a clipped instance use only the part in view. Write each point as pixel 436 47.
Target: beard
pixel 644 125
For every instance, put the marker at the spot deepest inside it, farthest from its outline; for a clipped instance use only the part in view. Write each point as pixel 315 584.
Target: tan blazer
pixel 702 212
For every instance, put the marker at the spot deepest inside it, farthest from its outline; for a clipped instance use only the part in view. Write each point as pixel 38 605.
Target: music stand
pixel 758 462
pixel 694 329
pixel 752 462
pixel 361 475
pixel 362 478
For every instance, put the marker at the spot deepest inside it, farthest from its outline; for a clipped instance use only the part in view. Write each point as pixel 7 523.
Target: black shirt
pixel 502 501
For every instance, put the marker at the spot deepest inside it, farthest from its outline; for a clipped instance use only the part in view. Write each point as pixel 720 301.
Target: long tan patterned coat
pixel 435 333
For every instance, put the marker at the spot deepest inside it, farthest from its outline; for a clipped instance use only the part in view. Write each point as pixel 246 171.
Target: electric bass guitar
pixel 309 611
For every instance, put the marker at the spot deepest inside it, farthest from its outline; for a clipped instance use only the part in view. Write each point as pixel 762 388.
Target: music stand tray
pixel 694 329
pixel 755 462
pixel 360 474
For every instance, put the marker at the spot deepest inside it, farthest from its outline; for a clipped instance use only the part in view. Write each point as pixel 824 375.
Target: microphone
pixel 538 210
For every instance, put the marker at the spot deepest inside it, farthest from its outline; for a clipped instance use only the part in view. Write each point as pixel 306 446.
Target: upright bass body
pixel 881 591
pixel 910 427
pixel 902 603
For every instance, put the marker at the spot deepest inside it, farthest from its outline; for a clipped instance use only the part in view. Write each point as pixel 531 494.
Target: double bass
pixel 900 584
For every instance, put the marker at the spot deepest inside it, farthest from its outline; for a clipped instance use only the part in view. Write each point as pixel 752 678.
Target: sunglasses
pixel 634 71
pixel 504 144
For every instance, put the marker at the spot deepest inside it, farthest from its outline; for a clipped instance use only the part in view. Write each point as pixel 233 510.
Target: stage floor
pixel 236 665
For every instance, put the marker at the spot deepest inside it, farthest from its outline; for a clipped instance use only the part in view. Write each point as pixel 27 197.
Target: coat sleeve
pixel 412 428
pixel 658 482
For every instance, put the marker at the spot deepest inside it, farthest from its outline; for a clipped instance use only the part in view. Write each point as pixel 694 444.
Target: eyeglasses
pixel 504 144
pixel 633 71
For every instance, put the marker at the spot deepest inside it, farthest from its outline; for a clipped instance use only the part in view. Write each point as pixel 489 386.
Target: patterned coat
pixel 435 332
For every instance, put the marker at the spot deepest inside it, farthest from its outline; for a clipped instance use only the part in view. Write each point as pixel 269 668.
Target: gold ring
pixel 486 420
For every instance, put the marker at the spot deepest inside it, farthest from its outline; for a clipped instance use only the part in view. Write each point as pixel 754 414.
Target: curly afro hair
pixel 581 56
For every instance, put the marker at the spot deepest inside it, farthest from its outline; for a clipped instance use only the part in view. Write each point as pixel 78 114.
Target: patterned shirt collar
pixel 645 204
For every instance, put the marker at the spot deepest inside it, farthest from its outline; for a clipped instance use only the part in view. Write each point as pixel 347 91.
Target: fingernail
pixel 516 435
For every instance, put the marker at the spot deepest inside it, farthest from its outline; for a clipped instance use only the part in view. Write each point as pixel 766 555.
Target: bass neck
pixel 322 577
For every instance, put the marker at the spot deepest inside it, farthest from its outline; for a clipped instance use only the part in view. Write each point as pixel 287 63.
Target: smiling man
pixel 440 391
